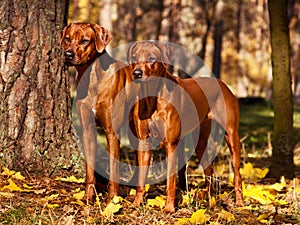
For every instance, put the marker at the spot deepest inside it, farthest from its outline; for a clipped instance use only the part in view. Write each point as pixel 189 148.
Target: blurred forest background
pixel 231 36
pixel 233 39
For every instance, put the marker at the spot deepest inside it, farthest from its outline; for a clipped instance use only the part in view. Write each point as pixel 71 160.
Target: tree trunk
pixel 218 34
pixel 165 20
pixel 209 11
pixel 36 132
pixel 160 19
pixel 242 80
pixel 105 14
pixel 174 21
pixel 282 155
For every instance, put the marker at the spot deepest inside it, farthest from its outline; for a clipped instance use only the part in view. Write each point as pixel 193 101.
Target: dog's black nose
pixel 137 74
pixel 69 55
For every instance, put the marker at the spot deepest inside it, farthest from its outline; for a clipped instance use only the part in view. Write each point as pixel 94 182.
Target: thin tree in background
pixel 294 16
pixel 106 14
pixel 241 67
pixel 160 19
pixel 209 12
pixel 174 21
pixel 282 154
pixel 218 35
pixel 35 118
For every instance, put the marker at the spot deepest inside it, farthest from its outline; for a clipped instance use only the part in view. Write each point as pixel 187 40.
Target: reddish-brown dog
pixel 171 107
pixel 100 78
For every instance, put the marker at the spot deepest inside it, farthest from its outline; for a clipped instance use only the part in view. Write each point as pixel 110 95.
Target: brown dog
pixel 100 78
pixel 171 107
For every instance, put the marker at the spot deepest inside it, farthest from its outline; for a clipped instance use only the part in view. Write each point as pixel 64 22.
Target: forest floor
pixel 267 201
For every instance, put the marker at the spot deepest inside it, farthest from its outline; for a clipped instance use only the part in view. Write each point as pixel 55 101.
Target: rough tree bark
pixel 36 132
pixel 282 154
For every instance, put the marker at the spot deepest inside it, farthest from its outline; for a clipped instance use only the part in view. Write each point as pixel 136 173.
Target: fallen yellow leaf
pixel 7 172
pixel 278 186
pixel 51 197
pixel 297 190
pixel 261 173
pixel 259 194
pixel 281 202
pixel 187 198
pixel 79 195
pixel 227 216
pixel 249 172
pixel 117 199
pixel 262 218
pixel 52 206
pixel 199 217
pixel 212 202
pixel 147 186
pixel 18 176
pixel 13 187
pixel 26 186
pixel 71 179
pixel 182 221
pixel 78 202
pixel 76 190
pixel 97 202
pixel 159 201
pixel 111 208
pixel 132 192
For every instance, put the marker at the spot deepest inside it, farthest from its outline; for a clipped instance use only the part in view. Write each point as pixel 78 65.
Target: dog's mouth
pixel 141 80
pixel 72 62
pixel 145 79
pixel 71 59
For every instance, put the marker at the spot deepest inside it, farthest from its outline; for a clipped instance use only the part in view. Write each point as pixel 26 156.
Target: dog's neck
pixel 105 61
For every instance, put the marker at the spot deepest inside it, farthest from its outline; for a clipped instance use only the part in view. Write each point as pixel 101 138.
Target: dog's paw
pixel 169 208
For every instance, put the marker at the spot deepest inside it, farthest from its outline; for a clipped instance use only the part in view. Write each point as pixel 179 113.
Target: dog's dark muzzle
pixel 137 74
pixel 69 56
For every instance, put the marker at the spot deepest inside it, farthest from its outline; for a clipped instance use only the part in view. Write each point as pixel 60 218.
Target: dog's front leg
pixel 89 145
pixel 89 135
pixel 114 163
pixel 235 150
pixel 144 156
pixel 181 165
pixel 171 177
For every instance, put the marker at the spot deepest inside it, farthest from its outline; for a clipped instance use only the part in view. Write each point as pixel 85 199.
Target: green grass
pixel 256 123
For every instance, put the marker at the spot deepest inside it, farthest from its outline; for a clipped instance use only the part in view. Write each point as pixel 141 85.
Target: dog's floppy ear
pixel 166 53
pixel 103 37
pixel 130 51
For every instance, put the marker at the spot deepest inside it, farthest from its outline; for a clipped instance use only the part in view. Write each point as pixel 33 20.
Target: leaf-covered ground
pixel 59 201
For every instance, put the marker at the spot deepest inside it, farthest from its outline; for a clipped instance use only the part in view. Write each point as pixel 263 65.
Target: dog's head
pixel 148 59
pixel 82 41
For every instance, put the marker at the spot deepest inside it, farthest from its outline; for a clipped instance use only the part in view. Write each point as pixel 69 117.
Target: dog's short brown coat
pixel 100 78
pixel 212 99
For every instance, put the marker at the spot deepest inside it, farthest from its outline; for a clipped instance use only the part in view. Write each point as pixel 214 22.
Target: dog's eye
pixel 133 59
pixel 84 41
pixel 67 40
pixel 151 59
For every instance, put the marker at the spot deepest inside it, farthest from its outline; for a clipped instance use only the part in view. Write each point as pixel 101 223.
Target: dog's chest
pixel 96 83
